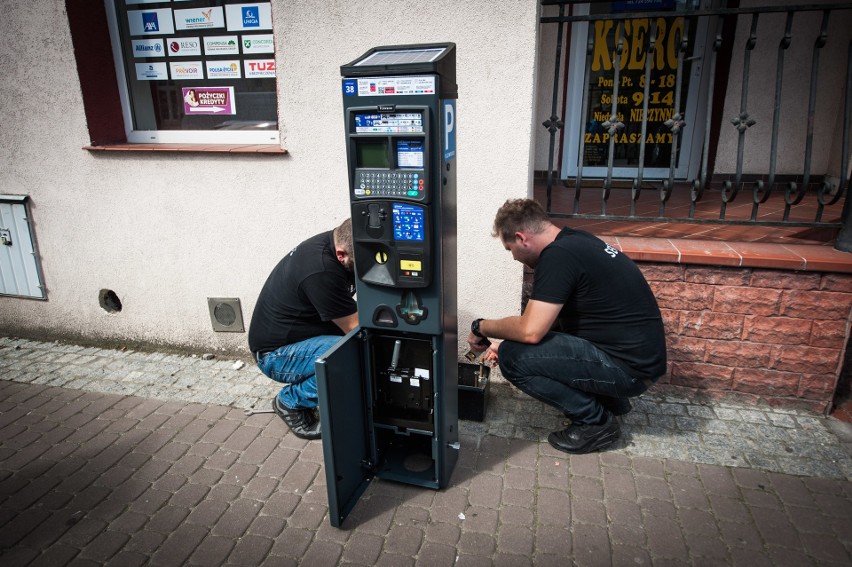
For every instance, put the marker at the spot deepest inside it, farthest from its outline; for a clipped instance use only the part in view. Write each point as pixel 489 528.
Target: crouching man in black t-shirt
pixel 305 306
pixel 591 335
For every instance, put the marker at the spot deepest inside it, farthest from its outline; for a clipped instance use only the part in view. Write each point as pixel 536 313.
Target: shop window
pixel 591 81
pixel 195 71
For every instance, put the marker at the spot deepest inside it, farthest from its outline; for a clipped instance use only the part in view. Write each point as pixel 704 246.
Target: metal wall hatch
pixel 20 272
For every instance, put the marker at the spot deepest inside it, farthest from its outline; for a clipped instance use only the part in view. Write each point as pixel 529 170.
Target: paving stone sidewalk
pixel 114 457
pixel 660 426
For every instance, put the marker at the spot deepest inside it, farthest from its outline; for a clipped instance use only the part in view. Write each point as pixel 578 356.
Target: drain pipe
pixel 844 237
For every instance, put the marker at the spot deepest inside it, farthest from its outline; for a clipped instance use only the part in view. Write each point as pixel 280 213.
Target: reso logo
pixel 177 46
pixel 250 17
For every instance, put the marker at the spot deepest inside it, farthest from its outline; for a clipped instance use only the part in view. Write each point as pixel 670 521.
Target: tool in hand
pixel 473 355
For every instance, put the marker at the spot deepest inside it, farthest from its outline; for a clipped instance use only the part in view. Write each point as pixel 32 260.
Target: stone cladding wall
pixel 762 336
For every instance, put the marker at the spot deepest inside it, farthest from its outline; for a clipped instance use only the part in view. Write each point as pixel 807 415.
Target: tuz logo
pixel 149 22
pixel 262 66
pixel 250 17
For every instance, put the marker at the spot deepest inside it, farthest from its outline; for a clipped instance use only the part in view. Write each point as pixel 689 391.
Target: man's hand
pixel 490 355
pixel 477 344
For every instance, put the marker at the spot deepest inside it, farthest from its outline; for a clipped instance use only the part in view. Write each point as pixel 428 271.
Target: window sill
pixel 270 149
pixel 800 257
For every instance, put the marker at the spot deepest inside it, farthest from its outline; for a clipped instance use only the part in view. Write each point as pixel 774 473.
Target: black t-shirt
pixel 606 301
pixel 307 289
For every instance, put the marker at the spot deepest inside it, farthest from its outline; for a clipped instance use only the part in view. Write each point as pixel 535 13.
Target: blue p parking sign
pixel 449 129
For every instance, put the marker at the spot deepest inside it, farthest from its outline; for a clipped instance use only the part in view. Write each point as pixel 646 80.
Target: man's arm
pixel 347 323
pixel 530 328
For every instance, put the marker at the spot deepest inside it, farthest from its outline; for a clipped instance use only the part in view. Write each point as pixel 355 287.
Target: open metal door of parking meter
pixel 345 443
pixel 400 127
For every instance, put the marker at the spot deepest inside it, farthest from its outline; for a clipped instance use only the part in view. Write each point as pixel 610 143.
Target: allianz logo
pixel 147 48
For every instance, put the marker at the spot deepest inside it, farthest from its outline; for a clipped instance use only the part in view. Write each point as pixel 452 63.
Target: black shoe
pixel 302 422
pixel 579 439
pixel 615 406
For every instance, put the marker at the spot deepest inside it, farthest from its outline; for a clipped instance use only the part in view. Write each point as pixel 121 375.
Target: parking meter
pixel 388 391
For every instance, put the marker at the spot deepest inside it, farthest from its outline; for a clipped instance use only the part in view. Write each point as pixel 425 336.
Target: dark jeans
pixel 568 373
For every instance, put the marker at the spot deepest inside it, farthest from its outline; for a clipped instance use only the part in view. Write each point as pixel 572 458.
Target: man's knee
pixel 507 358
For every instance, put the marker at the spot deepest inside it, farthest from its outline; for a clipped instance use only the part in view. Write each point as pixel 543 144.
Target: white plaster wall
pixel 166 231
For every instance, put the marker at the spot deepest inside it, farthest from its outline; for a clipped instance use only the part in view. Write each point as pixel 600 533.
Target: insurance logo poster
pixel 184 46
pixel 199 18
pixel 259 43
pixel 186 70
pixel 208 100
pixel 152 72
pixel 249 17
pixel 150 22
pixel 259 68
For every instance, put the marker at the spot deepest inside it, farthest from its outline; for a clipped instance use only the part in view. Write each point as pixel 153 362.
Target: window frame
pixel 261 137
pixel 689 155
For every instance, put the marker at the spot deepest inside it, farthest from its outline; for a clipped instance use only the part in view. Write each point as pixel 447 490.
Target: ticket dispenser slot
pixel 399 120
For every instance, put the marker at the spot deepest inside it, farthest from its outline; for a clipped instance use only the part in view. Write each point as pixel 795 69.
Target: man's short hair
pixel 343 236
pixel 519 215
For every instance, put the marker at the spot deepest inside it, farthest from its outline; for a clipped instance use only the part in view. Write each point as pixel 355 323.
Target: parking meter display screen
pixel 408 222
pixel 409 154
pixel 372 154
pixel 370 123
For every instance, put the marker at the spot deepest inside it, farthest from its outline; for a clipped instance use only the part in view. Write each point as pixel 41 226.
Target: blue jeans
pixel 294 365
pixel 569 373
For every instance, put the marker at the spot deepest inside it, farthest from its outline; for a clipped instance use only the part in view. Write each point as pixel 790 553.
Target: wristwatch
pixel 474 328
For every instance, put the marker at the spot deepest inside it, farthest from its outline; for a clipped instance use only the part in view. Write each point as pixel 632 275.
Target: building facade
pixel 141 208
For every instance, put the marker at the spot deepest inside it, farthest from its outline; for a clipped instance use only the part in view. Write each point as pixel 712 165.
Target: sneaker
pixel 579 439
pixel 615 406
pixel 302 422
